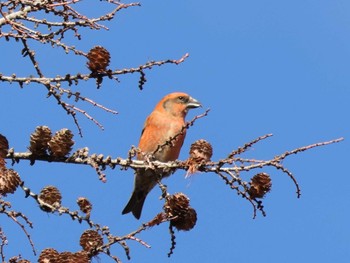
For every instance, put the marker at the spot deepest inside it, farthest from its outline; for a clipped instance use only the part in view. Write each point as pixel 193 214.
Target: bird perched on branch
pixel 161 139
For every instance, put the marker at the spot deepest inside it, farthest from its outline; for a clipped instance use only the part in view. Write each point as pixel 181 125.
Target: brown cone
pixel 2 165
pixel 260 184
pixel 99 59
pixel 61 143
pixel 51 197
pixel 177 206
pixel 48 255
pixel 81 257
pixel 38 141
pixel 90 240
pixel 187 221
pixel 4 146
pixel 69 257
pixel 9 181
pixel 200 153
pixel 66 257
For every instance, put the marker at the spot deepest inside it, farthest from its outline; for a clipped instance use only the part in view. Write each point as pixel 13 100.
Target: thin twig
pixel 72 78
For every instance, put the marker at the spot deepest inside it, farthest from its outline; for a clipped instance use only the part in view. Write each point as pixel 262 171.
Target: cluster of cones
pixel 9 178
pixel 177 207
pixel 90 241
pixel 182 215
pixel 200 153
pixel 42 143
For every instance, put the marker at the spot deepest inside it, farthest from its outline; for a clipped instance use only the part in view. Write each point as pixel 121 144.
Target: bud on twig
pixel 85 206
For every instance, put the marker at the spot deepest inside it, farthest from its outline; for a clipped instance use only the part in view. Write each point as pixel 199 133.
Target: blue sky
pixel 278 67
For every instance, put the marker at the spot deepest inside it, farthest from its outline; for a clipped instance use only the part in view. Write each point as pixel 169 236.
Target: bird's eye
pixel 181 98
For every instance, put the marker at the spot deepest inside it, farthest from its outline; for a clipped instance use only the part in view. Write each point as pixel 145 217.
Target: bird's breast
pixel 157 135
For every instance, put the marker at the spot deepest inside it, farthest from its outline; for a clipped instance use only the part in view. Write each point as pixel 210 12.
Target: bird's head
pixel 178 104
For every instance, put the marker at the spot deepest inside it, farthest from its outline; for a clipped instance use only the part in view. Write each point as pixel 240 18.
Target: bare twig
pixel 14 217
pixel 60 210
pixel 2 244
pixel 72 78
pixel 247 146
pixel 61 18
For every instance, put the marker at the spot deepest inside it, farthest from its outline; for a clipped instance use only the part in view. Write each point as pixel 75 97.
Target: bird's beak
pixel 193 103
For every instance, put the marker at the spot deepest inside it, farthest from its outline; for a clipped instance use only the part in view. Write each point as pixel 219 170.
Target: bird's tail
pixel 135 204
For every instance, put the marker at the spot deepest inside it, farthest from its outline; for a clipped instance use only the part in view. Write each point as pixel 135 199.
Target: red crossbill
pixel 166 121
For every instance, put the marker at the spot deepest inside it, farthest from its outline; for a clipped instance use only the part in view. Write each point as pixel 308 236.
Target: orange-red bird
pixel 166 121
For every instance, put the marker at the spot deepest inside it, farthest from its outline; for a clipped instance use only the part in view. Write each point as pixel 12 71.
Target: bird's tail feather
pixel 135 204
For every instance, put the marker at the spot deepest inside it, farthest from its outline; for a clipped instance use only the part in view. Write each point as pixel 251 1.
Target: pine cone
pixel 84 205
pixel 200 153
pixel 51 196
pixel 66 257
pixel 39 139
pixel 187 221
pixel 16 259
pixel 178 206
pixel 4 146
pixel 201 150
pixel 90 240
pixel 69 257
pixel 80 257
pixel 2 165
pixel 61 143
pixel 99 59
pixel 49 255
pixel 9 181
pixel 260 184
